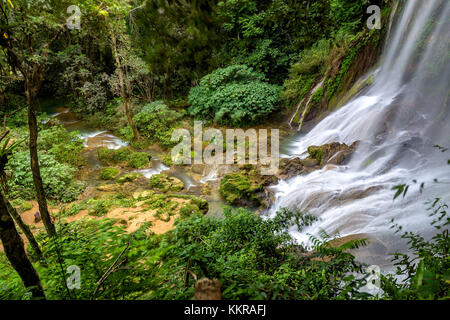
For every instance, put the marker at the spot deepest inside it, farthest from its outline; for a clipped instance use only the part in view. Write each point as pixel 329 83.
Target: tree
pixel 119 42
pixel 11 240
pixel 30 29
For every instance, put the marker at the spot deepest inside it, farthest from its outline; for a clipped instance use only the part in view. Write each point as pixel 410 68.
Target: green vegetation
pixel 58 178
pixel 241 188
pixel 124 156
pixel 109 173
pixel 234 95
pixel 156 122
pixel 164 183
pixel 141 69
pixel 128 177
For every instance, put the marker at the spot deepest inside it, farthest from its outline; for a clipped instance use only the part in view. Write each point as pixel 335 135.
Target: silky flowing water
pixel 398 120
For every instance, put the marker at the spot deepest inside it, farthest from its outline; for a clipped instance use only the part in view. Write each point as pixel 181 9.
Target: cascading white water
pixel 398 121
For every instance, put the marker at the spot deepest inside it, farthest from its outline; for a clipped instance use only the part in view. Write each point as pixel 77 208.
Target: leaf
pixel 400 189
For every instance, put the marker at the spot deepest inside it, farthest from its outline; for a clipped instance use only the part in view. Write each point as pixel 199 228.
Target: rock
pixel 206 289
pixel 247 188
pixel 129 177
pixel 109 173
pixel 328 155
pixel 332 153
pixel 164 183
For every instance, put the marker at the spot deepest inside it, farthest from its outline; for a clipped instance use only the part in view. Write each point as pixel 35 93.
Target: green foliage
pixel 156 122
pixel 316 153
pixel 109 173
pixel 124 156
pixel 255 258
pixel 65 146
pixel 58 178
pixel 348 14
pixel 235 95
pixel 427 270
pixel 305 72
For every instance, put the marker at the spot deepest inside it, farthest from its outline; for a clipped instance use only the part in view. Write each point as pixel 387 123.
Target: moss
pixel 124 156
pixel 164 183
pixel 316 153
pixel 139 160
pixel 129 177
pixel 109 173
pixel 167 160
pixel 188 209
pixel 25 206
pixel 241 189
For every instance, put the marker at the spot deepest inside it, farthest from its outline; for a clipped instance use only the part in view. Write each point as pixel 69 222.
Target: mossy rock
pixel 109 173
pixel 167 160
pixel 241 189
pixel 316 153
pixel 124 156
pixel 129 177
pixel 164 183
pixel 139 160
pixel 26 206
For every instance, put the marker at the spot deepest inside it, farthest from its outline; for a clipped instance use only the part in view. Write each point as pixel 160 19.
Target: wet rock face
pixel 319 156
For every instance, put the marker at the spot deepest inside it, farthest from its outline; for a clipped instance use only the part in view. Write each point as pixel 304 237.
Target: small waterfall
pixel 398 121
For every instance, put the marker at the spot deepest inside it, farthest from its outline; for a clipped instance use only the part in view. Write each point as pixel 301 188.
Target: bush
pixel 65 146
pixel 156 122
pixel 58 179
pixel 235 95
pixel 427 270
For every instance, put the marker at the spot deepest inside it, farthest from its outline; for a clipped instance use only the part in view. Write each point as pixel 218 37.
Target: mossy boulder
pixel 243 189
pixel 139 160
pixel 109 173
pixel 125 157
pixel 319 156
pixel 162 182
pixel 332 153
pixel 129 177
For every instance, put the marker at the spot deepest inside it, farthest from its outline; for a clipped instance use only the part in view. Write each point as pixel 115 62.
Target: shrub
pixel 65 146
pixel 58 179
pixel 156 122
pixel 235 95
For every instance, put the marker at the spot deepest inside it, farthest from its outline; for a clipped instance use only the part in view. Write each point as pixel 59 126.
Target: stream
pixel 95 138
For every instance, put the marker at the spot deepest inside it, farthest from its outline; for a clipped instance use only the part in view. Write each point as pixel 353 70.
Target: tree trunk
pixel 122 88
pixel 36 171
pixel 25 229
pixel 15 252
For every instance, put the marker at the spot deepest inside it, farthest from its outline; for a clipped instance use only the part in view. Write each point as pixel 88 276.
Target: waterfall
pixel 398 120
